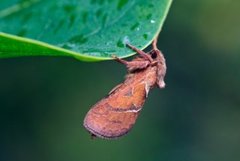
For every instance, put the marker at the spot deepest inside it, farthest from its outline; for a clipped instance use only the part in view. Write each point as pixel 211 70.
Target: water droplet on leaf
pixel 145 36
pixel 152 21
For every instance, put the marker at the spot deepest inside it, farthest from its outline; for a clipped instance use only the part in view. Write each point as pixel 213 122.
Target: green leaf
pixel 89 30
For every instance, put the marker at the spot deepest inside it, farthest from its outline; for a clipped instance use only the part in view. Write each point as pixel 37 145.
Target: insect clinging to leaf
pixel 115 115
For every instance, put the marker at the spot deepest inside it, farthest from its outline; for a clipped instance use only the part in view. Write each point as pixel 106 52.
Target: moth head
pixel 158 57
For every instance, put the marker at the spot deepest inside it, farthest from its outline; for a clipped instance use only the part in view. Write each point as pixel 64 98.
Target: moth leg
pixel 154 63
pixel 133 65
pixel 154 43
pixel 142 53
pixel 120 60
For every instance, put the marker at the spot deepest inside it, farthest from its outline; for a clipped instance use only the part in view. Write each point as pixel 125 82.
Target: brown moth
pixel 115 115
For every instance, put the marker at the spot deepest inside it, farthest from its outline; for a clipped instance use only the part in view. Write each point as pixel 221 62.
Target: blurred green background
pixel 43 100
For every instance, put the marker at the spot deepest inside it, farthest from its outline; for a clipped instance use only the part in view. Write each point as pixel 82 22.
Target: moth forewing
pixel 115 115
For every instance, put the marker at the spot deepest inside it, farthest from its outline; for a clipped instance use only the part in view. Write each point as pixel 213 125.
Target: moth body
pixel 115 115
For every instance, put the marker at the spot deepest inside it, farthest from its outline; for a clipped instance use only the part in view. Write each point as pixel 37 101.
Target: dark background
pixel 43 100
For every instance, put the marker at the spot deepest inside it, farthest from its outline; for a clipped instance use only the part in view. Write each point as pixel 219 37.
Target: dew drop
pixel 120 44
pixel 135 26
pixel 22 32
pixel 149 16
pixel 80 39
pixel 121 4
pixel 68 8
pixel 126 40
pixel 68 46
pixel 151 5
pixel 145 36
pixel 152 21
pixel 99 12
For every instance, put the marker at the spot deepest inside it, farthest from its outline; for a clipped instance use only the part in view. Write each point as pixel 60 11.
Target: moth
pixel 115 115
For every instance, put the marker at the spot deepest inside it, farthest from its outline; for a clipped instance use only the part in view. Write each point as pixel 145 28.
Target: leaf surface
pixel 88 30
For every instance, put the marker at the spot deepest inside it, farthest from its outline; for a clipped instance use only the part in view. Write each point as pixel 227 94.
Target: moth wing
pixel 116 114
pixel 109 124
